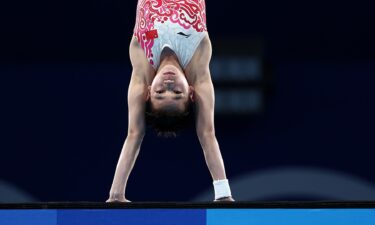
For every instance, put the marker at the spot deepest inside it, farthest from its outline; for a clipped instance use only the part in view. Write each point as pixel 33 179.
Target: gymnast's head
pixel 170 102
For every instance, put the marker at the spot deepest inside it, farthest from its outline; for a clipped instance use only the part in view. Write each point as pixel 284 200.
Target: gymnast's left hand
pixel 114 198
pixel 117 200
pixel 226 199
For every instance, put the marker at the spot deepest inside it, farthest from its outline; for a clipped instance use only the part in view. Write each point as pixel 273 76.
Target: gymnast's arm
pixel 204 101
pixel 137 93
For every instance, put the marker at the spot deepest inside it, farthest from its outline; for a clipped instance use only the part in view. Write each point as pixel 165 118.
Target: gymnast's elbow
pixel 136 133
pixel 206 134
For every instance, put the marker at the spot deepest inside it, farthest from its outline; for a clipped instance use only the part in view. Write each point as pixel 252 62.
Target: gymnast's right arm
pixel 137 92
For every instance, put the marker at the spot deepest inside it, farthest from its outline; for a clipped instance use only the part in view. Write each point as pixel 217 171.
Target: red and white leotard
pixel 177 24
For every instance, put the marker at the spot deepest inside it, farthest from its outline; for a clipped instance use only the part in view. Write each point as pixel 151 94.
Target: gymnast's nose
pixel 169 84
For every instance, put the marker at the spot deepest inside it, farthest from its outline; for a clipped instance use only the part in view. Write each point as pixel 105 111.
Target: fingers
pixel 110 200
pixel 226 199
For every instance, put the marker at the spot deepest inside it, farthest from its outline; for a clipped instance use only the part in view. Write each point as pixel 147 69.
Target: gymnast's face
pixel 170 88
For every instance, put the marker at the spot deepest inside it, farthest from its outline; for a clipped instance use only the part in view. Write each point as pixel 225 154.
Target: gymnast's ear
pixel 191 93
pixel 148 94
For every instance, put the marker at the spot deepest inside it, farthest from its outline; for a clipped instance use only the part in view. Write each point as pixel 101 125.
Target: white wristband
pixel 222 188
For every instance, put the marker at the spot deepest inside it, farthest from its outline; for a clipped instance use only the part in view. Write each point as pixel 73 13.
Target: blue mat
pixel 187 217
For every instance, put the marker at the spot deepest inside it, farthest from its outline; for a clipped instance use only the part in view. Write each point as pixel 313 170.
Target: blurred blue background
pixel 305 130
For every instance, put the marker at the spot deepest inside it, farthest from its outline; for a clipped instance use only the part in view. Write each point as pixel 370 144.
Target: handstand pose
pixel 170 53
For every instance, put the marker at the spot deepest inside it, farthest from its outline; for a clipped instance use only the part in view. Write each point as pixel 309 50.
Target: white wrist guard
pixel 222 189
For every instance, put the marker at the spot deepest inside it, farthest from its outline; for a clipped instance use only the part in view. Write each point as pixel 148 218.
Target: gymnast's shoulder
pixel 140 64
pixel 198 68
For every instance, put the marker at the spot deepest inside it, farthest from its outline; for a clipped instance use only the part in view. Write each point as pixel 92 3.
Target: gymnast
pixel 170 53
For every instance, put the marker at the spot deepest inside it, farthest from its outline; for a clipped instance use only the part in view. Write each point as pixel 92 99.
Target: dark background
pixel 65 70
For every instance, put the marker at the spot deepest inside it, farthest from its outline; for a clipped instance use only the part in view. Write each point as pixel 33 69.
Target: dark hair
pixel 167 122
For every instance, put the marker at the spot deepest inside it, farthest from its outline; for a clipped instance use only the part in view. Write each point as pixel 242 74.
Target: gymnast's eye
pixel 159 91
pixel 177 92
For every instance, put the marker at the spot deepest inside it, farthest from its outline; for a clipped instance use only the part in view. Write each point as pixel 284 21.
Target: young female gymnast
pixel 170 54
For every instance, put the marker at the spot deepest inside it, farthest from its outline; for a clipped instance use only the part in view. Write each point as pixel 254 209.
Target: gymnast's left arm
pixel 205 101
pixel 204 97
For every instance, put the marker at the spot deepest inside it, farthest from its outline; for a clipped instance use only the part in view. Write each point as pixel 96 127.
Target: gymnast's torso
pixel 179 25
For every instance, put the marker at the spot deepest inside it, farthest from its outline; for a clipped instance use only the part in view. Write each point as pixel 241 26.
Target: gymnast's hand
pixel 226 199
pixel 114 198
pixel 117 200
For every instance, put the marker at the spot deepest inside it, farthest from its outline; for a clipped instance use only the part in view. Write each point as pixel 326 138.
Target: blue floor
pixel 188 217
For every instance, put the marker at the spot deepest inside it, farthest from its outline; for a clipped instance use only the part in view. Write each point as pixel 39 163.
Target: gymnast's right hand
pixel 117 198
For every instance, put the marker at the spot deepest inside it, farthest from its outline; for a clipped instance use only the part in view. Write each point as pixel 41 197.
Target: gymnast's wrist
pixel 116 193
pixel 222 189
